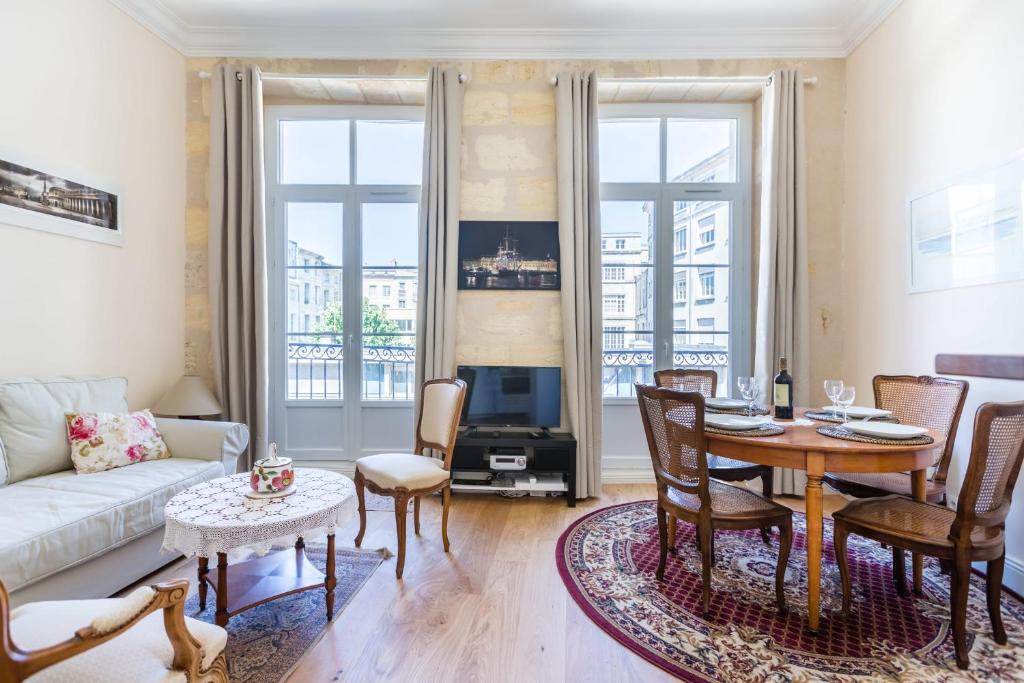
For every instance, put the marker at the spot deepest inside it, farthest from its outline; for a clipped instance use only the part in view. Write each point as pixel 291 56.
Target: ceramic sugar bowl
pixel 272 474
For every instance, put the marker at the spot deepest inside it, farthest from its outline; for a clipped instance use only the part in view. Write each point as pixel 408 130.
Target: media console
pixel 542 462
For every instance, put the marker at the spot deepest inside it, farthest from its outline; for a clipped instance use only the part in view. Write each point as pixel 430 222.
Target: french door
pixel 343 192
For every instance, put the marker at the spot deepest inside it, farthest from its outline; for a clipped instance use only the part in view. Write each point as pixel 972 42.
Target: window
pixel 669 173
pixel 614 274
pixel 401 303
pixel 387 290
pixel 373 290
pixel 305 293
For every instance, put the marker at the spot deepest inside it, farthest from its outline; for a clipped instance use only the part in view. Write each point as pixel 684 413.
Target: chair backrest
pixel 674 423
pixel 704 382
pixel 932 402
pixel 440 410
pixel 996 454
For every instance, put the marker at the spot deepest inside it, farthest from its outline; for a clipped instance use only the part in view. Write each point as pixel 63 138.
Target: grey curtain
pixel 579 233
pixel 783 314
pixel 439 227
pixel 237 250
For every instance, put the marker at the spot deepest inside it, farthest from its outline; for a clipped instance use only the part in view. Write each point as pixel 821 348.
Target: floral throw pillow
pixel 103 441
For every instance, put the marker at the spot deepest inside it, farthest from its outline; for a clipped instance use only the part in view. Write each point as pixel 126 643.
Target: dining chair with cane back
pixel 674 425
pixel 923 401
pixel 720 468
pixel 975 532
pixel 412 475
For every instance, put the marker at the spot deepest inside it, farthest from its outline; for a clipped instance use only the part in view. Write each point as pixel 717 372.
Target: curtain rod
pixel 695 80
pixel 463 78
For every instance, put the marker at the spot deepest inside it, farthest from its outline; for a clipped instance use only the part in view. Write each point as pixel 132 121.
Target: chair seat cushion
pixel 875 485
pixel 141 654
pixel 728 501
pixel 910 519
pixel 406 470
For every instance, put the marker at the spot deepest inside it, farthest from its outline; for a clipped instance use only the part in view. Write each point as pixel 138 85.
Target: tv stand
pixel 550 462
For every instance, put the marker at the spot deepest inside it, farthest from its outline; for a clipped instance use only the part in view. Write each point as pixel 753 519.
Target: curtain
pixel 579 235
pixel 782 297
pixel 439 227
pixel 238 251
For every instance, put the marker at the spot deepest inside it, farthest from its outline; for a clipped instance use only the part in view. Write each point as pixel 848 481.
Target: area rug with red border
pixel 608 558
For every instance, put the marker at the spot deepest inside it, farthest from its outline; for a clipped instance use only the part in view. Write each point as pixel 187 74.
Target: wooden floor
pixel 492 610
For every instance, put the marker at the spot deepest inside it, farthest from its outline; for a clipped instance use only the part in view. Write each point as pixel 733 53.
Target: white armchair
pixel 114 640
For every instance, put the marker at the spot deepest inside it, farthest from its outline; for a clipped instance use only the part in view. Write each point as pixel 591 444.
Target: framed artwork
pixel 968 232
pixel 44 201
pixel 509 255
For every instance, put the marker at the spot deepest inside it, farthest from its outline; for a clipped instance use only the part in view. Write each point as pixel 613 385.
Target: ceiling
pixel 481 29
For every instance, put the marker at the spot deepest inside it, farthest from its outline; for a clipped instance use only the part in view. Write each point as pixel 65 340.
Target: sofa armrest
pixel 205 440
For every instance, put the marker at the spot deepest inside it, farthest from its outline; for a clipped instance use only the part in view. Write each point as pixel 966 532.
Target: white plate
pixel 885 430
pixel 859 411
pixel 738 423
pixel 723 403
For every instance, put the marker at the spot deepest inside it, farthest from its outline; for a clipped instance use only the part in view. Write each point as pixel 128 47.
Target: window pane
pixel 628 150
pixel 314 310
pixel 701 151
pixel 627 239
pixel 389 152
pixel 314 152
pixel 390 262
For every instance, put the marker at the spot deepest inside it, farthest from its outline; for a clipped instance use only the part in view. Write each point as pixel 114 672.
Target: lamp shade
pixel 189 396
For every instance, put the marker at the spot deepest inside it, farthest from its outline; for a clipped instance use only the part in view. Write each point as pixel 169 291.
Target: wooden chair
pixel 411 475
pixel 112 640
pixel 674 424
pixel 723 469
pixel 974 533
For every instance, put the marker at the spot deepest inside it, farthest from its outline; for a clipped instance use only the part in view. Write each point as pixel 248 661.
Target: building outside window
pixel 617 274
pixel 615 303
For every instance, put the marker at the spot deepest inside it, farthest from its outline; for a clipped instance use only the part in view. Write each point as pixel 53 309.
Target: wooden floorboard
pixel 492 610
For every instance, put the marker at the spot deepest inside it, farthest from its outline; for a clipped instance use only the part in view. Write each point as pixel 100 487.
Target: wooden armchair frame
pixel 16 664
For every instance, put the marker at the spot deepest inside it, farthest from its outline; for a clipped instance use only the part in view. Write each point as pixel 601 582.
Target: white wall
pixel 933 92
pixel 87 90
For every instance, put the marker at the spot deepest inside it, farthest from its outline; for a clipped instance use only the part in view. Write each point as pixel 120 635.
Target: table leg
pixel 329 580
pixel 812 493
pixel 204 568
pixel 221 617
pixel 919 487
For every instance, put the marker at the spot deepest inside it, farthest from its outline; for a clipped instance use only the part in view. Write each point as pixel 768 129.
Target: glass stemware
pixel 845 400
pixel 834 387
pixel 749 390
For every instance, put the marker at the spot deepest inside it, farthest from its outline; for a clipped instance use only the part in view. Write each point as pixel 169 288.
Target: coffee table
pixel 216 517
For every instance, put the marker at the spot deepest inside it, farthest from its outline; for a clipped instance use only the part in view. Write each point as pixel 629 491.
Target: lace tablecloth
pixel 217 517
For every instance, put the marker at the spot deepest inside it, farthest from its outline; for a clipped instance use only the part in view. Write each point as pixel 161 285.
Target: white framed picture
pixel 67 205
pixel 970 231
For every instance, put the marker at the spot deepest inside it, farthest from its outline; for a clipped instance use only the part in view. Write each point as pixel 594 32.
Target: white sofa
pixel 69 535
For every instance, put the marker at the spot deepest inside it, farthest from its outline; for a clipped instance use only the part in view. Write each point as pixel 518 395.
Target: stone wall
pixel 508 173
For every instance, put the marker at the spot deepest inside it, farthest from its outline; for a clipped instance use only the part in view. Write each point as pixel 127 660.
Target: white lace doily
pixel 217 517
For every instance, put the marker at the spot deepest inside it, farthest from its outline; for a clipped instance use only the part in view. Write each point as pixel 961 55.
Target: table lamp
pixel 189 397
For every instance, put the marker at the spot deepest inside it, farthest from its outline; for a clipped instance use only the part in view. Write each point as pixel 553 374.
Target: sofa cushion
pixel 142 653
pixel 58 520
pixel 32 425
pixel 103 441
pixel 394 470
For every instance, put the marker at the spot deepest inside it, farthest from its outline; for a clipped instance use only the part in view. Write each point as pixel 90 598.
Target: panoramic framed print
pixel 968 232
pixel 509 255
pixel 41 200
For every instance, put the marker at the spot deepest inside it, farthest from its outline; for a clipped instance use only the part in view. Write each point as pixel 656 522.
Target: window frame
pixel 665 194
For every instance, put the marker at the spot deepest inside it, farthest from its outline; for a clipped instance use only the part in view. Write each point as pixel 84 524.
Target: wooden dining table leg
pixel 812 498
pixel 919 487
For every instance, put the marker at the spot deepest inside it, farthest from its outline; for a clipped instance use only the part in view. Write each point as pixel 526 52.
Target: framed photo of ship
pixel 39 200
pixel 509 255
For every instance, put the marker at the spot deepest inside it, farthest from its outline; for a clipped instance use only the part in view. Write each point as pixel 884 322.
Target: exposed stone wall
pixel 508 173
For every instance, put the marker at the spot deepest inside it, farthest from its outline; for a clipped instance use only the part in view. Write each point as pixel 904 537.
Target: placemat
pixel 758 410
pixel 840 433
pixel 767 430
pixel 827 416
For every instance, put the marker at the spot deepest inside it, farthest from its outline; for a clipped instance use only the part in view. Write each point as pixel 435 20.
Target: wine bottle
pixel 783 393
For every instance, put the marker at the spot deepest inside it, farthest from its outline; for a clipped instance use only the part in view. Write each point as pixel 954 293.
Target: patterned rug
pixel 608 558
pixel 266 642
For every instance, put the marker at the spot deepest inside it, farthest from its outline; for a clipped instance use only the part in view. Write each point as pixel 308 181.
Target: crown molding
pixel 490 43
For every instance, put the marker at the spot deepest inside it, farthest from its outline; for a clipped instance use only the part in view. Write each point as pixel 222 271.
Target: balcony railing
pixel 389 372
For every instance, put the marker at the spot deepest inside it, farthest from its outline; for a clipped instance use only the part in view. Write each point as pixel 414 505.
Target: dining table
pixel 801 447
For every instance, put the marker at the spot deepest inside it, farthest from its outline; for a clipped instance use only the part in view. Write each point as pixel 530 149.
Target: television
pixel 505 396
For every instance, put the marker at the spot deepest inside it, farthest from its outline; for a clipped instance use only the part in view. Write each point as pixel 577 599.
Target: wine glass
pixel 749 390
pixel 833 387
pixel 845 399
